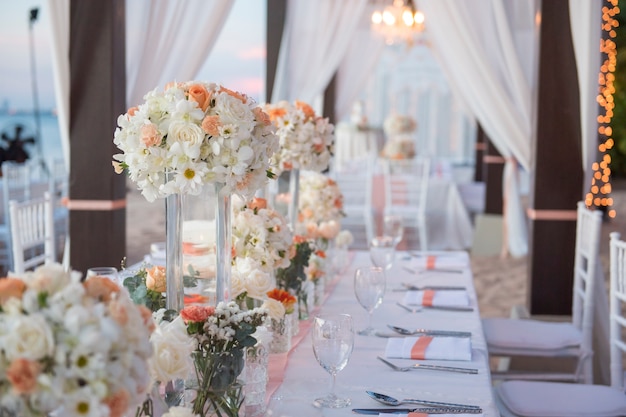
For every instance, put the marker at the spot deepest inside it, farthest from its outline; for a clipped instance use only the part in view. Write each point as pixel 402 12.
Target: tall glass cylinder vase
pixel 174 252
pixel 294 192
pixel 223 243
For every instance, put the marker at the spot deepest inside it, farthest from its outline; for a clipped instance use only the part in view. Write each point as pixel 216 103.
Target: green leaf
pixel 42 299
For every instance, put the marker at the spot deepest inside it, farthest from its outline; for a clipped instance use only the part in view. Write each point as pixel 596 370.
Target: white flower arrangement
pixel 192 134
pixel 306 140
pixel 320 206
pixel 82 347
pixel 397 124
pixel 317 266
pixel 261 238
pixel 344 239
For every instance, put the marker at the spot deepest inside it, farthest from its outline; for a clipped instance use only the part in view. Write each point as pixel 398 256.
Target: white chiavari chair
pixel 58 187
pixel 406 190
pixel 535 338
pixel 32 233
pixel 16 184
pixel 541 398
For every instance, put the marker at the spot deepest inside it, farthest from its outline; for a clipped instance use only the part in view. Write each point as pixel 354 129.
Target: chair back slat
pixel 617 308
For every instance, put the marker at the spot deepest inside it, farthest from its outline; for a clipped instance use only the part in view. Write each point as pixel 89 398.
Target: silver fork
pixel 430 367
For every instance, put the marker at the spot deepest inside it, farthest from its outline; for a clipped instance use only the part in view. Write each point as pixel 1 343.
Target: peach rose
pixel 101 288
pixel 312 230
pixel 117 167
pixel 131 112
pixel 211 125
pixel 305 108
pixel 261 116
pixel 299 239
pixel 292 251
pixel 196 314
pixel 146 316
pixel 257 203
pixel 117 403
pixel 199 94
pixel 22 374
pixel 235 94
pixel 11 287
pixel 156 279
pixel 275 113
pixel 150 135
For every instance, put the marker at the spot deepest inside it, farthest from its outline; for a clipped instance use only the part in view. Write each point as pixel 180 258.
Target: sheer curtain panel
pixel 482 45
pixel 315 40
pixel 168 41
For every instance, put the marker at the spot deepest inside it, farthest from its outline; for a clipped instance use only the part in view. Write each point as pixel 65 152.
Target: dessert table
pixel 296 378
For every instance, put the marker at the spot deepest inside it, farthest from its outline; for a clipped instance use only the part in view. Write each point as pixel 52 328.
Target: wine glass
pixel 333 341
pixel 383 251
pixel 104 271
pixel 369 288
pixel 394 227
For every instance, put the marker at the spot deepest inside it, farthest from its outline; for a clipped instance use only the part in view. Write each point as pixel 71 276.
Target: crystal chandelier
pixel 399 22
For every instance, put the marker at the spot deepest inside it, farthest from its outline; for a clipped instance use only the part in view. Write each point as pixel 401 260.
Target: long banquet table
pixel 296 379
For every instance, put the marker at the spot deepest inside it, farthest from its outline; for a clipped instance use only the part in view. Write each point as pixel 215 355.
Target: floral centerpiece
pixel 221 334
pixel 306 140
pixel 280 304
pixel 294 278
pixel 262 240
pixel 197 133
pixel 189 135
pixel 320 206
pixel 81 348
pixel 397 124
pixel 399 148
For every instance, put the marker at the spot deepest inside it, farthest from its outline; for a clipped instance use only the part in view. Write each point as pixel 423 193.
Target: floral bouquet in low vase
pixel 280 304
pixel 221 335
pixel 294 277
pixel 183 139
pixel 80 349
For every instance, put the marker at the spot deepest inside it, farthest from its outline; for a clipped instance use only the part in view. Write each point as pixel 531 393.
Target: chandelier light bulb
pixel 407 17
pixel 389 18
pixel 377 17
pixel 419 17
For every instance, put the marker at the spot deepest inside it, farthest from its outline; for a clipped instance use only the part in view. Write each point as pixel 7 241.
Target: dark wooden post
pixel 97 195
pixel 493 169
pixel 479 152
pixel 276 15
pixel 329 100
pixel 557 183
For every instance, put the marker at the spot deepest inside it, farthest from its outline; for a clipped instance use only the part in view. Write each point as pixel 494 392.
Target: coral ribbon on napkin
pixel 427 297
pixel 418 351
pixel 430 261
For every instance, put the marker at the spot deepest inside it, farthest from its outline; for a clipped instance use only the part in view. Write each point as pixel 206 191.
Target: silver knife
pixel 410 287
pixel 426 410
pixel 433 270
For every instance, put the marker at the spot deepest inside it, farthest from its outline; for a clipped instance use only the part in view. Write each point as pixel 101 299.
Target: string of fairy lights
pixel 599 193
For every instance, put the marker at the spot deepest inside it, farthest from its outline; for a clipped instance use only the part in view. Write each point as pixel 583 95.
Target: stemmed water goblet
pixel 383 251
pixel 333 341
pixel 369 288
pixel 394 227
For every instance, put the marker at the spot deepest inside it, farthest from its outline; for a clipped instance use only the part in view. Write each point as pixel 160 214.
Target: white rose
pixel 179 412
pixel 28 337
pixel 172 356
pixel 344 238
pixel 275 308
pixel 258 283
pixel 237 284
pixel 188 134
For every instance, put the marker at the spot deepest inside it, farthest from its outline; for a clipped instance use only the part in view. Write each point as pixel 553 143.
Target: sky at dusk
pixel 237 60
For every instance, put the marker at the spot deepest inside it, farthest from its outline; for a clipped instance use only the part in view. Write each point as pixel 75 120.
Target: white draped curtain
pixel 357 65
pixel 59 25
pixel 316 37
pixel 485 46
pixel 169 40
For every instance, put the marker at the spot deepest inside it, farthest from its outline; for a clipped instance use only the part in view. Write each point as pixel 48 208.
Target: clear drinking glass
pixel 394 227
pixel 369 288
pixel 383 251
pixel 333 340
pixel 104 271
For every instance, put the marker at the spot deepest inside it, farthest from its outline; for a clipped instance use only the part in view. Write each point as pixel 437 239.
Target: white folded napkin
pixel 451 261
pixel 430 347
pixel 441 298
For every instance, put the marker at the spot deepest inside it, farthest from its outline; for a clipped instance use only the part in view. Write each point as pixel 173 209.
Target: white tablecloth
pixel 305 380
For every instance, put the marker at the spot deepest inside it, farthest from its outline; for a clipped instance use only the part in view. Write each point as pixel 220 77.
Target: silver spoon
pixel 388 400
pixel 408 332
